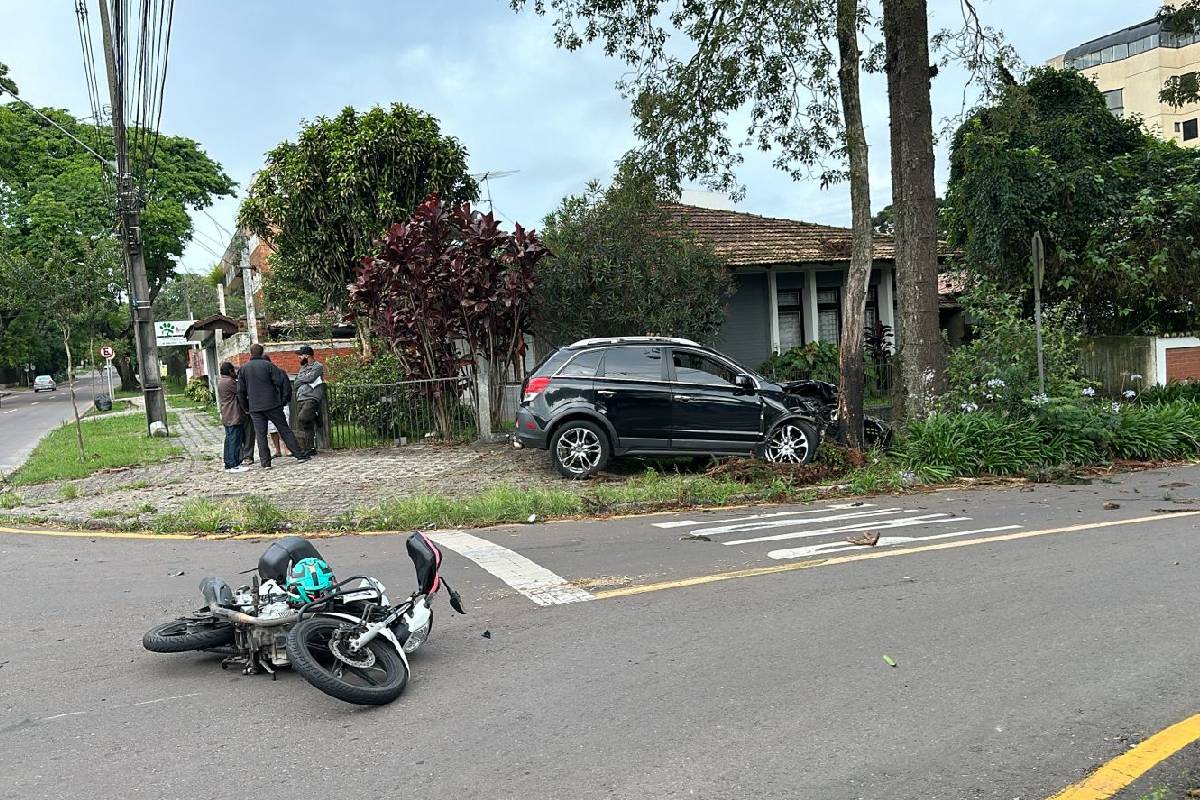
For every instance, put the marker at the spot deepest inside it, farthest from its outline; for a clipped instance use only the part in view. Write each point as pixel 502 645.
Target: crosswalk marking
pixel 683 523
pixel 826 548
pixel 792 522
pixel 903 522
pixel 529 578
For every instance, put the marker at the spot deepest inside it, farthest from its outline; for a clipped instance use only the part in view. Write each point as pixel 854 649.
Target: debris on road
pixel 532 519
pixel 694 537
pixel 175 574
pixel 1111 506
pixel 1176 510
pixel 865 539
pixel 889 661
pixel 487 634
pixel 1174 485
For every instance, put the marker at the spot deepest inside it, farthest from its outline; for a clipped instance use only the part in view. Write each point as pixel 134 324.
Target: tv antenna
pixel 486 179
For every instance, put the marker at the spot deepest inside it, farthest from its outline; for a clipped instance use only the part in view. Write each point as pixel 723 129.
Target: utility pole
pixel 129 211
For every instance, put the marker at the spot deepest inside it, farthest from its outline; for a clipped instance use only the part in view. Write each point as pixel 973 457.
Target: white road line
pixel 792 522
pixel 530 579
pixel 826 548
pixel 903 522
pixel 836 507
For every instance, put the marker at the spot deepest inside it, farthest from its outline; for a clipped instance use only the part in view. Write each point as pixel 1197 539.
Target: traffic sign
pixel 106 352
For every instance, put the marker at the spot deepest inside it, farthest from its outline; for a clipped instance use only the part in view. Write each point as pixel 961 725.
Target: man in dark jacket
pixel 232 417
pixel 263 390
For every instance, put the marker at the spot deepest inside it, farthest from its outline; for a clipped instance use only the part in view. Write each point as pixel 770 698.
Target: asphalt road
pixel 1024 657
pixel 25 417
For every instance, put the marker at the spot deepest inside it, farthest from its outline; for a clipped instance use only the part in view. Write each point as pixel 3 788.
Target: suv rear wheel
pixel 791 442
pixel 579 449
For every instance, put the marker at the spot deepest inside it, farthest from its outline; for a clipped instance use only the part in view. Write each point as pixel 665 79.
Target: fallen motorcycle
pixel 343 637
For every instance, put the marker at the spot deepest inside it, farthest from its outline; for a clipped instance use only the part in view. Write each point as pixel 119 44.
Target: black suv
pixel 600 398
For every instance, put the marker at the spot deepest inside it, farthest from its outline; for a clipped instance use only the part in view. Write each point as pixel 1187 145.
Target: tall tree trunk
pixel 362 327
pixel 125 369
pixel 854 299
pixel 906 38
pixel 66 334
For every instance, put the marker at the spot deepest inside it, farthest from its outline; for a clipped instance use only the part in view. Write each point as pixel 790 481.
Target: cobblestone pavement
pixel 327 486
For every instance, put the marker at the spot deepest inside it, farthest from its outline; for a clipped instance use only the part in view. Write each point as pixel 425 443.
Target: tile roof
pixel 745 240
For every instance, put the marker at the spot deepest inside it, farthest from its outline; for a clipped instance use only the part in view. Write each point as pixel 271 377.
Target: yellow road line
pixel 755 572
pixel 98 534
pixel 1123 770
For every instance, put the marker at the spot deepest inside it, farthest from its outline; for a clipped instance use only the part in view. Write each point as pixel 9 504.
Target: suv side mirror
pixel 744 384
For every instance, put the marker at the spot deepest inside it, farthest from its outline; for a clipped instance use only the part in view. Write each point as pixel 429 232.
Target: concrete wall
pixel 1110 360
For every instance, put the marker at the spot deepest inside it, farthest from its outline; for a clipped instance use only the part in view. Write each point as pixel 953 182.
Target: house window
pixel 872 313
pixel 1115 100
pixel 1190 130
pixel 791 320
pixel 829 314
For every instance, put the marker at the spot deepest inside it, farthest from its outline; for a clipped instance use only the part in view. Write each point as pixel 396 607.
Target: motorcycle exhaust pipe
pixel 246 619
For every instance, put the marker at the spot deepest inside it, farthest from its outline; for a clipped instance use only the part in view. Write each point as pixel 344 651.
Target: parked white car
pixel 44 383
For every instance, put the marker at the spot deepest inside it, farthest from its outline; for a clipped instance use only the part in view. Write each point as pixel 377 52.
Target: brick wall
pixel 283 354
pixel 1183 363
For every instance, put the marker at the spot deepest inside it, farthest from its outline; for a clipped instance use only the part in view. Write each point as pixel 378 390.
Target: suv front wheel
pixel 579 449
pixel 792 441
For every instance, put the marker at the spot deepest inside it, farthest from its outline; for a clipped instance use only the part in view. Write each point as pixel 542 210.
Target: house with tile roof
pixel 789 278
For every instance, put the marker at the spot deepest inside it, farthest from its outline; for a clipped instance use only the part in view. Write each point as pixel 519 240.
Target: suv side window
pixel 634 363
pixel 584 365
pixel 697 368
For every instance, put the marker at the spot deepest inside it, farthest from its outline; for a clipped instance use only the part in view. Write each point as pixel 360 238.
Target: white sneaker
pixel 238 468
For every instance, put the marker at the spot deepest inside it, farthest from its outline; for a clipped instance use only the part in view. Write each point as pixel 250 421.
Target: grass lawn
pixel 181 400
pixel 109 442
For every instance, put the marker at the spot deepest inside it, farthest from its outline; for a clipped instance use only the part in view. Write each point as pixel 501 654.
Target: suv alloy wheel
pixel 579 449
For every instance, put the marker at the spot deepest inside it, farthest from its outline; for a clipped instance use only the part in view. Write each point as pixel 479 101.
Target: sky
pixel 243 74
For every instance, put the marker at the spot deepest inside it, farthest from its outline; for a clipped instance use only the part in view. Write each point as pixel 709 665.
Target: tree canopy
pixel 197 294
pixel 1118 209
pixel 621 265
pixel 323 200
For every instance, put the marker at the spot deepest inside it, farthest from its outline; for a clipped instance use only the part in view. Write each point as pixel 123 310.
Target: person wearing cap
pixel 310 391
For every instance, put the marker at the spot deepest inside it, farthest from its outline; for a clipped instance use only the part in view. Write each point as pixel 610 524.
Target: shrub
pixel 1060 433
pixel 198 391
pixel 998 368
pixel 813 361
pixel 1175 390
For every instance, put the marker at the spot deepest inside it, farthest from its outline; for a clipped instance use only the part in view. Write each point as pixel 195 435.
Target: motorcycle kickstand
pixel 262 661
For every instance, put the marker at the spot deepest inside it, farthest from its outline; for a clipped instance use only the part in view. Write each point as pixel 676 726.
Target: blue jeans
pixel 233 446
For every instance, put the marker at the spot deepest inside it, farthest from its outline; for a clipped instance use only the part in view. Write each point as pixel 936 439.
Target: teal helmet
pixel 310 578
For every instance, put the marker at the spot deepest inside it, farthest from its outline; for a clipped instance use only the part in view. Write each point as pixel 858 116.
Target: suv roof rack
pixel 634 340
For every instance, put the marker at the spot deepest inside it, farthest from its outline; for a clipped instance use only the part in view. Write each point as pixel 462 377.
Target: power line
pixel 66 132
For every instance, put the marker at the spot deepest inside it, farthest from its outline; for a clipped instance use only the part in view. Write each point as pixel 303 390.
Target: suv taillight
pixel 535 386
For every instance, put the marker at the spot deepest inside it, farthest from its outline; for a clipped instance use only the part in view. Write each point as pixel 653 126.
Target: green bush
pixel 1175 390
pixel 813 361
pixel 1059 433
pixel 198 391
pixel 998 368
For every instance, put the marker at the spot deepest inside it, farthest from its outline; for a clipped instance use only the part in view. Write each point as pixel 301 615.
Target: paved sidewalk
pixel 327 486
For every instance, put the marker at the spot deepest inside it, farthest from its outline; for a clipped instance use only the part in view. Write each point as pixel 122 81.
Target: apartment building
pixel 1130 68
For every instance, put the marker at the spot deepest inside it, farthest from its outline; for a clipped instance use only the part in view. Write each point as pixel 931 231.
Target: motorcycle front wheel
pixel 318 649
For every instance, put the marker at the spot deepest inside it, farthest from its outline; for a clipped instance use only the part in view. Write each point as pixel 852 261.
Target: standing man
pixel 232 417
pixel 263 390
pixel 310 391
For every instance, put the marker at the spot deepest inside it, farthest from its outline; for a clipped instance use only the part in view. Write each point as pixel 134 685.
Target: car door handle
pixel 683 398
pixel 606 393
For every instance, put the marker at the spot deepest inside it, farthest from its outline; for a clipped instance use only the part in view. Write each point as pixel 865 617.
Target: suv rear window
pixel 552 362
pixel 634 363
pixel 583 365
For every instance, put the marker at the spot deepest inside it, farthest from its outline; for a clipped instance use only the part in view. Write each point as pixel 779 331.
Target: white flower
pixel 1040 399
pixel 1116 407
pixel 1129 394
pixel 995 383
pixel 1089 392
pixel 969 408
pixel 1135 377
pixel 989 396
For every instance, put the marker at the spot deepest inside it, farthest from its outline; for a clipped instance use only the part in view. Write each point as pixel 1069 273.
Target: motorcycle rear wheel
pixel 186 634
pixel 312 647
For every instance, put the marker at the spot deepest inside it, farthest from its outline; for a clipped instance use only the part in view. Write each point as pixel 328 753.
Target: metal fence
pixel 394 414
